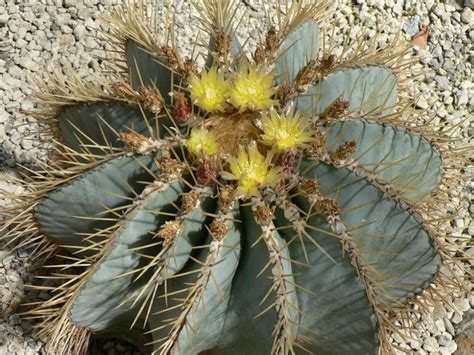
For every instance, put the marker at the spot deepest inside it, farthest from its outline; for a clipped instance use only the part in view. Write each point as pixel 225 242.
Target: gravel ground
pixel 36 34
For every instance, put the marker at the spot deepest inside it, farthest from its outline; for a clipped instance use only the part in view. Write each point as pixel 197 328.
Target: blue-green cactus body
pixel 227 279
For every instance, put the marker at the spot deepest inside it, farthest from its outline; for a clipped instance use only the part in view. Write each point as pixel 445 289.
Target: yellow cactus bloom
pixel 211 91
pixel 252 170
pixel 285 132
pixel 252 89
pixel 202 143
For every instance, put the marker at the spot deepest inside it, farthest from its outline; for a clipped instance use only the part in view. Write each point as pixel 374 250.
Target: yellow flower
pixel 210 91
pixel 252 89
pixel 285 132
pixel 202 143
pixel 252 170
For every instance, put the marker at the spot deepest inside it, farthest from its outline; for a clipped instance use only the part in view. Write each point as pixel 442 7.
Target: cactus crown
pixel 268 202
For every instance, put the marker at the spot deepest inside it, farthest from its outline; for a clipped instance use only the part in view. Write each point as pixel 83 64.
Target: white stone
pixel 457 318
pixel 467 16
pixel 80 32
pixel 29 63
pixel 71 3
pixel 448 326
pixel 449 348
pixel 438 10
pixel 4 115
pixel 448 100
pixel 3 135
pixel 462 304
pixel 415 343
pixel 62 19
pixel 463 98
pixel 439 324
pixel 430 345
pixel 4 17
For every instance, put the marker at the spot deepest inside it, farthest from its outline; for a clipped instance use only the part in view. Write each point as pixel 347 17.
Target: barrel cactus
pixel 268 201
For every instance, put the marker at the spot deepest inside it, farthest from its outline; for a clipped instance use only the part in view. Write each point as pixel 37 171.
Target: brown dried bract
pixel 226 198
pixel 284 95
pixel 259 55
pixel 271 40
pixel 326 66
pixel 136 143
pixel 263 214
pixel 171 57
pixel 306 76
pixel 223 43
pixel 335 111
pixel 344 152
pixel 170 168
pixel 316 146
pixel 310 186
pixel 218 229
pixel 233 131
pixel 328 207
pixel 190 68
pixel 151 98
pixel 189 201
pixel 123 89
pixel 169 231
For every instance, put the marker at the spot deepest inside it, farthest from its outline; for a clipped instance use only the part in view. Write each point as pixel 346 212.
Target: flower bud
pixel 182 110
pixel 206 174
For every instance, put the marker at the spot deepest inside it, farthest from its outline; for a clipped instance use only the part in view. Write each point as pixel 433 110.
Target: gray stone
pixel 444 339
pixel 465 334
pixel 411 26
pixel 55 27
pixel 437 51
pixel 448 53
pixel 443 82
